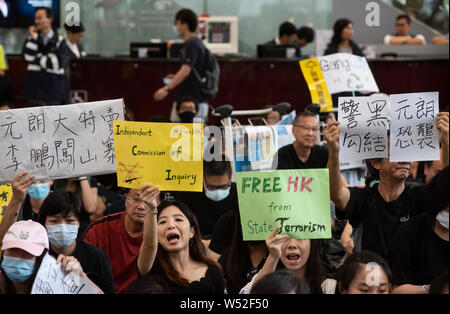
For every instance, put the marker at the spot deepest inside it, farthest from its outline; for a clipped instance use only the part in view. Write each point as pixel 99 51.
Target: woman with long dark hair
pixel 342 40
pixel 172 248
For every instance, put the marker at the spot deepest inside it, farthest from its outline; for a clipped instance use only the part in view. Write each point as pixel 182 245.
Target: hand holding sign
pixel 20 185
pixel 442 125
pixel 274 243
pixel 332 134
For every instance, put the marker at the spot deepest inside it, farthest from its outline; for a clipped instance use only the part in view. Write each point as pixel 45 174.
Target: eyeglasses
pixel 314 129
pixel 135 201
pixel 215 188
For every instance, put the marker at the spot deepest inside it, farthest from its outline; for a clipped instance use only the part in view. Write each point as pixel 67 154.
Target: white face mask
pixel 217 195
pixel 62 235
pixel 442 218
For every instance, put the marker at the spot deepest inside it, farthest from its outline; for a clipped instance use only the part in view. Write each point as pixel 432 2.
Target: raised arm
pixel 340 194
pixel 20 185
pixel 149 246
pixel 442 125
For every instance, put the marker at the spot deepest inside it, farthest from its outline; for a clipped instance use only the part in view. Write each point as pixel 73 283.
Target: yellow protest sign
pixel 5 197
pixel 168 155
pixel 3 65
pixel 316 83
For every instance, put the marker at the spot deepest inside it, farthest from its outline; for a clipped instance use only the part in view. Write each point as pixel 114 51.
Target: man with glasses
pixel 304 153
pixel 120 236
pixel 403 36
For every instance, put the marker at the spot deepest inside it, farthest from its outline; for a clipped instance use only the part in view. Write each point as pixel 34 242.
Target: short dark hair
pixel 287 28
pixel 150 284
pixel 436 193
pixel 186 99
pixel 352 266
pixel 404 16
pixel 303 114
pixel 187 16
pixel 281 282
pixel 49 11
pixel 75 29
pixel 217 167
pixel 60 203
pixel 307 33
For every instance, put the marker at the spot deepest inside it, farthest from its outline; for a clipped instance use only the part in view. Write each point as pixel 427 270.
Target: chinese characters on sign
pixel 60 141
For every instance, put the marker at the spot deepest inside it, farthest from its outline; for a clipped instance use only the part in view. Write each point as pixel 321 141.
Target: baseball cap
pixel 28 235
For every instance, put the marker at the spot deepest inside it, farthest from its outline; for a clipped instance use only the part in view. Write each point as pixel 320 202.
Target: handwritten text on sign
pixel 50 279
pixel 364 123
pixel 59 141
pixel 345 72
pixel 164 154
pixel 296 200
pixel 414 134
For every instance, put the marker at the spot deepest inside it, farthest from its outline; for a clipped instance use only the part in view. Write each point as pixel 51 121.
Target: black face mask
pixel 187 117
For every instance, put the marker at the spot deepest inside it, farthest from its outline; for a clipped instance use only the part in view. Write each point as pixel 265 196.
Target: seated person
pixel 305 35
pixel 287 35
pixel 403 35
pixel 185 110
pixel 218 197
pixel 440 40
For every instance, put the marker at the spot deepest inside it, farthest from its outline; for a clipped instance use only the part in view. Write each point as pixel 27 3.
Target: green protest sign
pixel 296 200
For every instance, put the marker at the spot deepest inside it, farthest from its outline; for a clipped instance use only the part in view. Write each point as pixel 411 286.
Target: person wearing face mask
pixel 419 250
pixel 172 248
pixel 26 200
pixel 60 214
pixel 186 108
pixel 218 197
pixel 24 245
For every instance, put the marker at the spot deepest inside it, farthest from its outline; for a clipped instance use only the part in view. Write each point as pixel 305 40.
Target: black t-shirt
pixel 96 265
pixel 223 233
pixel 288 159
pixel 212 283
pixel 417 254
pixel 192 54
pixel 380 219
pixel 207 211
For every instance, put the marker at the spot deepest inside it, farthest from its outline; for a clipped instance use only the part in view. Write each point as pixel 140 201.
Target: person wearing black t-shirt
pixel 193 56
pixel 60 215
pixel 303 153
pixel 419 250
pixel 218 197
pixel 377 212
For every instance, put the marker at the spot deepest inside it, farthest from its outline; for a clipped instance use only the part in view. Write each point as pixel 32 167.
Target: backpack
pixel 210 81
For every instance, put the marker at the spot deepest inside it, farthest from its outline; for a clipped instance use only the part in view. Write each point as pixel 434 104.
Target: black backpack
pixel 210 80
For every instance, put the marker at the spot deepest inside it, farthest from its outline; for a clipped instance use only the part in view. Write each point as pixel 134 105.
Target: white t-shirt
pixel 388 37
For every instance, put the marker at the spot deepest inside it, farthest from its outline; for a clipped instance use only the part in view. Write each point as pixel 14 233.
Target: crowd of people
pixel 390 236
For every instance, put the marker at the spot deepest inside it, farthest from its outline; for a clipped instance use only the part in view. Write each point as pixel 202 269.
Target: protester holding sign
pixel 172 248
pixel 24 245
pixel 298 255
pixel 375 213
pixel 61 215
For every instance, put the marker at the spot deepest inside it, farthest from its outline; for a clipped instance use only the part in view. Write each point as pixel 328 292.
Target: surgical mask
pixel 217 195
pixel 187 117
pixel 18 269
pixel 62 235
pixel 442 218
pixel 39 191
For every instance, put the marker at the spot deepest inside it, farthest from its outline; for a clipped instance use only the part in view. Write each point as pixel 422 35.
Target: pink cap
pixel 28 235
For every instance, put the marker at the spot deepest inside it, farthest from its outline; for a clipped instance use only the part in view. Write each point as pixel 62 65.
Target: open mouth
pixel 293 257
pixel 173 238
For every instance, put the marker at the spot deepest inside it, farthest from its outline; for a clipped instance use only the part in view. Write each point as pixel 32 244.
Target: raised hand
pixel 274 243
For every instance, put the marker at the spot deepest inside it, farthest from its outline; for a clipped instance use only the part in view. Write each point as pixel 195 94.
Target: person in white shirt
pixel 403 36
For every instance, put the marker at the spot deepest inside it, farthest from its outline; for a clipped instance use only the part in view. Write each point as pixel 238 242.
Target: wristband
pixel 426 287
pixel 82 178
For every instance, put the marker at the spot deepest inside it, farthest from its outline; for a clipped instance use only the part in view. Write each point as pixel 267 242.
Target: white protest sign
pixel 363 128
pixel 345 72
pixel 59 142
pixel 414 134
pixel 50 279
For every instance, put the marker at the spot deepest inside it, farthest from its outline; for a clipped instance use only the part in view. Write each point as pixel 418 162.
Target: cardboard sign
pixel 344 72
pixel 316 84
pixel 57 142
pixel 5 198
pixel 364 124
pixel 168 155
pixel 296 200
pixel 50 279
pixel 414 135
